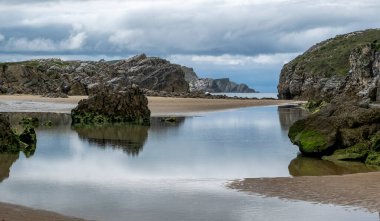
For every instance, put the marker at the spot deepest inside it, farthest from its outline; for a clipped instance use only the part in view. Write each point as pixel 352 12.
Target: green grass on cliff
pixel 331 57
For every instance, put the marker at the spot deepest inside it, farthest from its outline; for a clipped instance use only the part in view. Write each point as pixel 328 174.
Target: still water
pixel 167 171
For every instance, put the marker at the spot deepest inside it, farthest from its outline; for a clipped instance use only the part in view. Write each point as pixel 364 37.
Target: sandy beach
pixel 159 106
pixel 357 190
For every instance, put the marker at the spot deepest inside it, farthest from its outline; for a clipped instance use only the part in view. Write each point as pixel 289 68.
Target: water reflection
pixel 289 114
pixel 46 120
pixel 6 162
pixel 307 166
pixel 128 137
pixel 160 125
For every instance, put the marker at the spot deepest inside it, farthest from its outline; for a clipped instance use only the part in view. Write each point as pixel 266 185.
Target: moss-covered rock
pixel 357 152
pixel 373 159
pixel 113 107
pixel 312 141
pixel 375 142
pixel 29 122
pixel 9 142
pixel 346 129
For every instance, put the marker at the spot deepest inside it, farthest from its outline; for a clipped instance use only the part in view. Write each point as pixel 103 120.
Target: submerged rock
pixel 105 107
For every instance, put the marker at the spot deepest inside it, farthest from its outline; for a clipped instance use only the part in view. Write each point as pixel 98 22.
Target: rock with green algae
pixel 29 121
pixel 107 107
pixel 373 159
pixel 9 142
pixel 358 152
pixel 313 137
pixel 375 140
pixel 336 126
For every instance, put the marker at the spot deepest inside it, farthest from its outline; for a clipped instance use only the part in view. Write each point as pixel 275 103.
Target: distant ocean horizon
pixel 249 95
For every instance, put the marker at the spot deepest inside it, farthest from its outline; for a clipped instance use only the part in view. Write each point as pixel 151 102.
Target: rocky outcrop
pixel 341 78
pixel 223 85
pixel 57 78
pixel 106 106
pixel 340 131
pixel 347 64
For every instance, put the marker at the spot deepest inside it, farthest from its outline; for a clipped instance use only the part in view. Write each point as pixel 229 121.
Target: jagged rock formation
pixel 57 78
pixel 347 64
pixel 129 105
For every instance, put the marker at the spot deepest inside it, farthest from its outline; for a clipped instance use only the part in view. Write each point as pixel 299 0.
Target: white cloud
pixel 235 60
pixel 2 37
pixel 74 42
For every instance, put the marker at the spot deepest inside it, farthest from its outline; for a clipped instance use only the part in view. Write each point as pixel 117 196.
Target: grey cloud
pixel 167 27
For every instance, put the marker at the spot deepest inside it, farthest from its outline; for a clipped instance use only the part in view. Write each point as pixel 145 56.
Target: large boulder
pixel 105 107
pixel 343 131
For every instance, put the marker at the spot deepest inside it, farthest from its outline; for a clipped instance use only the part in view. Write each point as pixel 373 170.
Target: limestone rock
pixel 347 64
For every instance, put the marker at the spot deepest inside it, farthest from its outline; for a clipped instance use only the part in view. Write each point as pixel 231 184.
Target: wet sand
pixel 357 190
pixel 9 212
pixel 159 106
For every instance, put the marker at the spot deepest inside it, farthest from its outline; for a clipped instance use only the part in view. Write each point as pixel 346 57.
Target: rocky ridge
pixel 57 78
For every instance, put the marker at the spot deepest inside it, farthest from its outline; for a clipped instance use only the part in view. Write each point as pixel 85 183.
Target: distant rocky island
pixel 156 76
pixel 340 77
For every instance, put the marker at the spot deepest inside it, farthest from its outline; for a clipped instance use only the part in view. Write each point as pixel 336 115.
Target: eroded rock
pixel 105 107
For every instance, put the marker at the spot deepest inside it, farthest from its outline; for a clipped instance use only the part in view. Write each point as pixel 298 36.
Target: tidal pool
pixel 167 171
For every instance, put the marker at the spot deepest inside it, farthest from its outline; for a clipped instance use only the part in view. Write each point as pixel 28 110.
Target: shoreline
pixel 360 190
pixel 159 106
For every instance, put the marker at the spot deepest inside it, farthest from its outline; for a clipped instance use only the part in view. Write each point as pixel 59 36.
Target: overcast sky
pixel 246 40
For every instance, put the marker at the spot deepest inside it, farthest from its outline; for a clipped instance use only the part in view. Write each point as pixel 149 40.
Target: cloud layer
pixel 216 32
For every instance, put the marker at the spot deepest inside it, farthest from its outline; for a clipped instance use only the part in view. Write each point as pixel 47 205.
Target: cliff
pixel 347 64
pixel 214 85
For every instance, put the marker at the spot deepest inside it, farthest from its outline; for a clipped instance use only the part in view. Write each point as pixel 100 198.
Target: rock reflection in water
pixel 6 162
pixel 55 119
pixel 289 114
pixel 159 125
pixel 128 137
pixel 307 166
